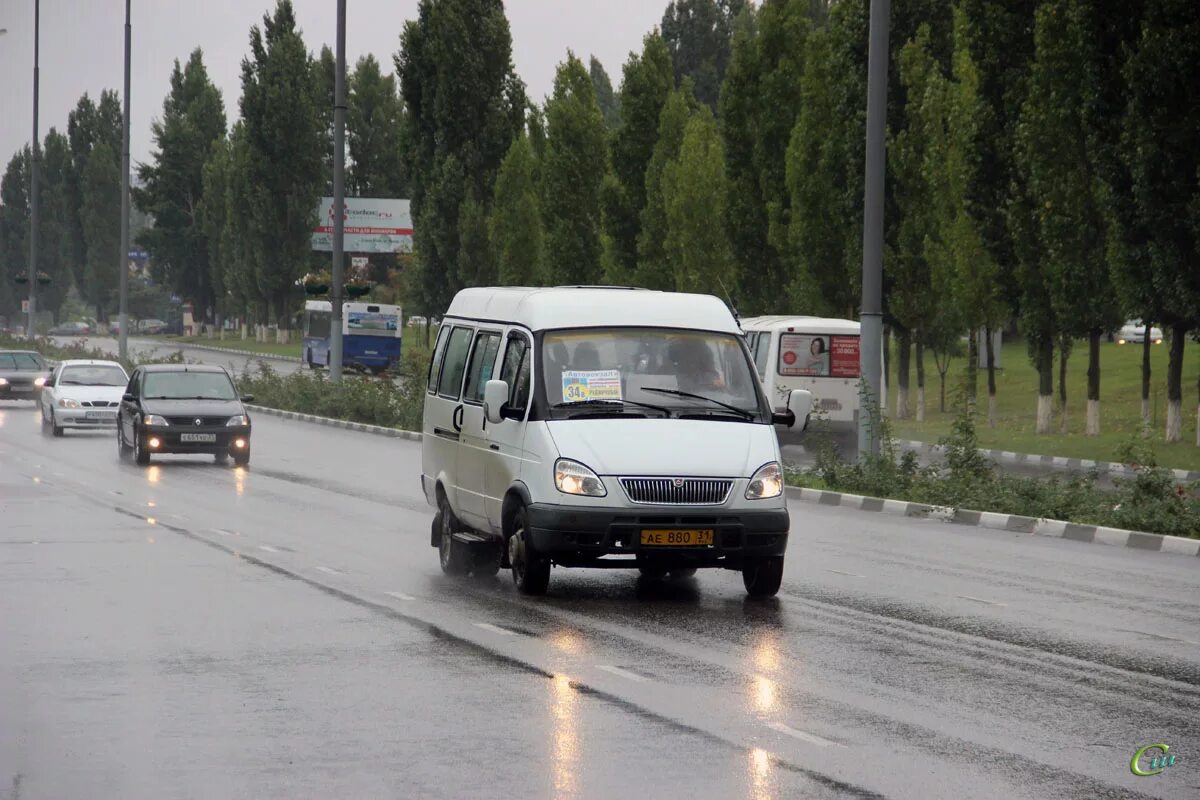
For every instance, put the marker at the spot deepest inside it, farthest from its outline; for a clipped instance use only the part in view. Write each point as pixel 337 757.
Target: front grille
pixel 677 491
pixel 191 421
pixel 99 404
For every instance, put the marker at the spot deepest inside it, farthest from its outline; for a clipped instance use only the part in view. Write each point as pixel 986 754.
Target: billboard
pixel 818 355
pixel 372 225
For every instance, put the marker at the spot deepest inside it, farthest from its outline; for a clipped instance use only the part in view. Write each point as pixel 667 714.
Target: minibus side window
pixel 483 361
pixel 762 344
pixel 516 372
pixel 435 363
pixel 455 363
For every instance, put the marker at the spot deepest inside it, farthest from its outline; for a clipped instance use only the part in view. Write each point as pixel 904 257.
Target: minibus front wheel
pixel 762 577
pixel 530 571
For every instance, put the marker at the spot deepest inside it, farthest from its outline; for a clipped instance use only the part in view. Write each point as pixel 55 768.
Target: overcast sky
pixel 82 48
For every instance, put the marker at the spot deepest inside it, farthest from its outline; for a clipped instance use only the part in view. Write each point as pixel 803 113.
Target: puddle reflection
pixel 565 757
pixel 154 474
pixel 766 694
pixel 239 477
pixel 760 775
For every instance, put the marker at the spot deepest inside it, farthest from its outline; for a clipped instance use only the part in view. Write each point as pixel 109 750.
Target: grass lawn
pixel 1016 401
pixel 232 343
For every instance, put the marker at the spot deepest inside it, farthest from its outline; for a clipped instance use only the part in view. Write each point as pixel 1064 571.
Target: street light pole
pixel 123 264
pixel 871 323
pixel 33 177
pixel 339 198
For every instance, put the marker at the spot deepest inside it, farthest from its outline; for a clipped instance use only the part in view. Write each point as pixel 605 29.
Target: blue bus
pixel 370 334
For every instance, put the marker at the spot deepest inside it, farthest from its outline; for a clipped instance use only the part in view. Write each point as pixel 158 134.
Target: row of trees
pixel 1043 164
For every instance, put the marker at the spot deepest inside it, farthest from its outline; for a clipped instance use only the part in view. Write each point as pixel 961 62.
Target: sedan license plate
pixel 101 415
pixel 197 437
pixel 678 537
pixel 20 387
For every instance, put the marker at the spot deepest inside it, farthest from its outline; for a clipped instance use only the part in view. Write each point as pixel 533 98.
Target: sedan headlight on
pixel 154 419
pixel 39 381
pixel 241 420
pixel 3 381
pixel 67 402
pixel 766 483
pixel 571 477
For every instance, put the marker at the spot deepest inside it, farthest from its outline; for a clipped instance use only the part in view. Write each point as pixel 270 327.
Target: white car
pixel 1134 332
pixel 83 394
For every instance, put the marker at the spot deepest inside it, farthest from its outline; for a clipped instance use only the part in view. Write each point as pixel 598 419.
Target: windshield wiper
pixel 611 401
pixel 739 411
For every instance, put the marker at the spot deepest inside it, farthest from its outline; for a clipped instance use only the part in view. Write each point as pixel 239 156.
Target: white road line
pixel 266 548
pixel 980 600
pixel 851 574
pixel 624 673
pixel 400 595
pixel 329 570
pixel 487 626
pixel 222 531
pixel 803 736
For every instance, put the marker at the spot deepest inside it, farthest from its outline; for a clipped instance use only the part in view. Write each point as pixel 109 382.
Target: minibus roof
pixel 801 324
pixel 559 307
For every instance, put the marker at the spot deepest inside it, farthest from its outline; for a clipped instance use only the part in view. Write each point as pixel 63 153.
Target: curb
pixel 1096 534
pixel 378 430
pixel 222 350
pixel 1059 462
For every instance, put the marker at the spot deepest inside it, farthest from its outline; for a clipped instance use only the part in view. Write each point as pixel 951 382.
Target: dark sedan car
pixel 183 408
pixel 23 373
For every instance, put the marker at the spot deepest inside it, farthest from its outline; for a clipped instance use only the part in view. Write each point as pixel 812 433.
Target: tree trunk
pixel 1045 370
pixel 904 352
pixel 1093 387
pixel 1178 336
pixel 1146 345
pixel 990 354
pixel 920 381
pixel 972 368
pixel 1063 355
pixel 942 389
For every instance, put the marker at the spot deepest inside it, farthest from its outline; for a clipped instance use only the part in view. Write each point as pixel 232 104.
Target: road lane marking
pixel 1157 636
pixel 266 548
pixel 487 626
pixel 224 532
pixel 851 574
pixel 329 570
pixel 400 595
pixel 803 736
pixel 623 673
pixel 980 600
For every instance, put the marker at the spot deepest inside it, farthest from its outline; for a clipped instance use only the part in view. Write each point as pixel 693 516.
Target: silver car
pixel 83 394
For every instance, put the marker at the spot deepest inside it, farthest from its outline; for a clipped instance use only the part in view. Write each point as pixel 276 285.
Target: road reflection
pixel 760 775
pixel 766 694
pixel 239 478
pixel 565 755
pixel 154 474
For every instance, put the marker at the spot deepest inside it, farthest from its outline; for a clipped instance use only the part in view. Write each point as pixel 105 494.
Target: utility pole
pixel 33 177
pixel 871 324
pixel 122 316
pixel 339 198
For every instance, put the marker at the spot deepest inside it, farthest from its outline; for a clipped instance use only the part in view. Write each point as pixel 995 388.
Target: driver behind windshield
pixel 695 368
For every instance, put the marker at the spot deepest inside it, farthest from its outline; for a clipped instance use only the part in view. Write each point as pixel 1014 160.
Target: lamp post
pixel 122 316
pixel 33 177
pixel 339 199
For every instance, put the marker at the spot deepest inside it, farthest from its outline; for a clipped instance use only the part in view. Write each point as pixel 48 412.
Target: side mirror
pixel 495 395
pixel 128 398
pixel 800 403
pixel 247 398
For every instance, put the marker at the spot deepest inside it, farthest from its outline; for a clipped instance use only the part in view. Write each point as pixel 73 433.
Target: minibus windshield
pixel 689 373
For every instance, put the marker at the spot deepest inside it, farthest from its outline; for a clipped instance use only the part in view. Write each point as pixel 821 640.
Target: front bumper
pixel 579 535
pixel 20 391
pixel 78 418
pixel 171 439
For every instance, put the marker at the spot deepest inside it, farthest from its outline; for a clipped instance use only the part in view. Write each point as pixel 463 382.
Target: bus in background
pixel 814 353
pixel 370 334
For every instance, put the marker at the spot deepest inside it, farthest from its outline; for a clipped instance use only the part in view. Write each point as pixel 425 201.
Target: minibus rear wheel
pixel 762 577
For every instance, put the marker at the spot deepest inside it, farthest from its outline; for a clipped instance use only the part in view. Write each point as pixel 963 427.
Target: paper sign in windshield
pixel 578 387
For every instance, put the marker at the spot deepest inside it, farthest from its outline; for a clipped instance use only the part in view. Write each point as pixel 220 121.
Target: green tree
pixel 515 227
pixel 463 106
pixel 694 193
pixel 54 221
pixel 699 34
pixel 374 119
pixel 14 231
pixel 284 143
pixel 173 184
pixel 610 109
pixel 324 76
pixel 645 84
pixel 88 125
pixel 101 229
pixel 1161 150
pixel 1057 129
pixel 575 164
pixel 654 268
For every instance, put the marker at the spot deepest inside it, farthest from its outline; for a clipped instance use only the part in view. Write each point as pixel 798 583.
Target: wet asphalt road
pixel 189 630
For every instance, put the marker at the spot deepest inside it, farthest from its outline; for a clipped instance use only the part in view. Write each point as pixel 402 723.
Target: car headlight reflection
pixel 767 482
pixel 571 477
pixel 154 419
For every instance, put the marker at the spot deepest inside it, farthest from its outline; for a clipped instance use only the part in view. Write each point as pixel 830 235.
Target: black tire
pixel 679 573
pixel 122 448
pixel 763 577
pixel 55 427
pixel 530 571
pixel 453 555
pixel 242 458
pixel 141 455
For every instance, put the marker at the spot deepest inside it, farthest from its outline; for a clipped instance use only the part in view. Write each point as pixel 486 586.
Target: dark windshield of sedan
pixel 92 376
pixel 24 362
pixel 187 386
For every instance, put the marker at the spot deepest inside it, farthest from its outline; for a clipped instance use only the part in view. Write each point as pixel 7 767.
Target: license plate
pixel 678 537
pixel 20 387
pixel 101 415
pixel 197 437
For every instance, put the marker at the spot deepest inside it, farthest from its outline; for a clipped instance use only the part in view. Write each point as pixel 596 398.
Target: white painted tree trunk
pixel 1174 420
pixel 902 402
pixel 920 404
pixel 245 333
pixel 1062 420
pixel 991 410
pixel 1093 418
pixel 1045 412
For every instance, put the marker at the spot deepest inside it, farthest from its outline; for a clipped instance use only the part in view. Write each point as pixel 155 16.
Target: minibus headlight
pixel 571 477
pixel 766 483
